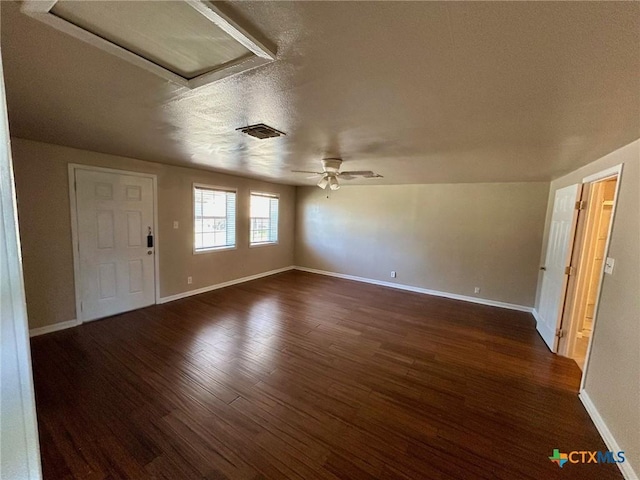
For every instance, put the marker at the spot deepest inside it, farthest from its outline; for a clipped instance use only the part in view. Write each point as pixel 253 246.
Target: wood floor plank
pixel 308 377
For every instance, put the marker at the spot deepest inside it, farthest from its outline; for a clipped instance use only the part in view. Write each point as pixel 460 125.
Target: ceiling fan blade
pixel 307 171
pixel 358 173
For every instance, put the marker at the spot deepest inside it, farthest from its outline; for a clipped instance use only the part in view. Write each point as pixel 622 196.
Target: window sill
pixel 262 244
pixel 212 249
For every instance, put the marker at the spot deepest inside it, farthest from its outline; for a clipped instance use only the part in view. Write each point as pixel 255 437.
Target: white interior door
pixel 115 215
pixel 559 248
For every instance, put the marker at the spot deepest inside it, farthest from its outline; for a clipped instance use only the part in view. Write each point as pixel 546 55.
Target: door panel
pixel 136 274
pixel 114 214
pixel 134 229
pixel 559 248
pixel 107 280
pixel 105 230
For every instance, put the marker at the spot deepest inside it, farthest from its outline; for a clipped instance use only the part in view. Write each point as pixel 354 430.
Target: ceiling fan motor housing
pixel 331 165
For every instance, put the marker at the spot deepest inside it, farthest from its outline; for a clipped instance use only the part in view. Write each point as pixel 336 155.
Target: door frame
pixel 16 377
pixel 75 243
pixel 572 293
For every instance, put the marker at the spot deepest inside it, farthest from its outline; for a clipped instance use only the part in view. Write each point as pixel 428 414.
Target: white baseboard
pixel 209 288
pixel 493 303
pixel 34 332
pixel 627 470
pixel 454 296
pixel 536 315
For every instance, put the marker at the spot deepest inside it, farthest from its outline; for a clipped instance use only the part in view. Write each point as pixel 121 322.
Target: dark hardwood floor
pixel 303 376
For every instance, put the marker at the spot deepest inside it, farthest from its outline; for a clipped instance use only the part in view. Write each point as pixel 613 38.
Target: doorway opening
pixel 590 256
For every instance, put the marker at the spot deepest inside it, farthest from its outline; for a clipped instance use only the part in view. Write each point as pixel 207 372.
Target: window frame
pixel 268 195
pixel 216 188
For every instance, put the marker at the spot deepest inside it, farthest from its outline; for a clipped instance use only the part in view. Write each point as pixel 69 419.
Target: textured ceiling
pixel 419 92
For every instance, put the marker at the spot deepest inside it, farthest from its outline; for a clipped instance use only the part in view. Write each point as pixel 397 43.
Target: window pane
pixel 231 219
pixel 273 227
pixel 259 206
pixel 264 219
pixel 214 204
pixel 214 218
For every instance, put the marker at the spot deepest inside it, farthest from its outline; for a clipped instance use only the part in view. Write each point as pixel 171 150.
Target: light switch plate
pixel 175 224
pixel 608 265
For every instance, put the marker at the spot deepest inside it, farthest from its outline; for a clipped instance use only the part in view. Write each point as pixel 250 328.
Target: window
pixel 214 218
pixel 264 219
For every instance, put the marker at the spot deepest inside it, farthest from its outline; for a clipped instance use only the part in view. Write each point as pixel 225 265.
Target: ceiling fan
pixel 331 171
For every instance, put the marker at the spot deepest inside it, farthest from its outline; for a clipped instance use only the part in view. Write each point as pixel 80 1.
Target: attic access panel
pixel 189 42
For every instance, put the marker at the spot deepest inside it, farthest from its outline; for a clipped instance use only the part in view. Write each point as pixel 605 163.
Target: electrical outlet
pixel 189 280
pixel 476 290
pixel 175 224
pixel 393 274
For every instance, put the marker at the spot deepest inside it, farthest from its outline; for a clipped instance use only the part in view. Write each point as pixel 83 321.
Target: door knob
pixel 543 268
pixel 149 252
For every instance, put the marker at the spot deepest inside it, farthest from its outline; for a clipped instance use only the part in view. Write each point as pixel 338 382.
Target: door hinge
pixel 559 333
pixel 581 205
pixel 569 270
pixel 81 307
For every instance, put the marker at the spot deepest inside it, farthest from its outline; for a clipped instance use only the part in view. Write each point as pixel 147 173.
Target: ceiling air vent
pixel 260 130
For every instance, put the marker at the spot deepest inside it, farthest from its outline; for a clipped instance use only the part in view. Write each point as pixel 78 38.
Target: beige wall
pixel 45 227
pixel 445 237
pixel 613 374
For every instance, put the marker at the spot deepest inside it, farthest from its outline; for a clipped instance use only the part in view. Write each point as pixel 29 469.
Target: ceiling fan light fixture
pixel 331 171
pixel 324 181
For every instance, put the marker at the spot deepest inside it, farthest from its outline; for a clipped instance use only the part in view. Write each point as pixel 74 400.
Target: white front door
pixel 115 215
pixel 559 248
